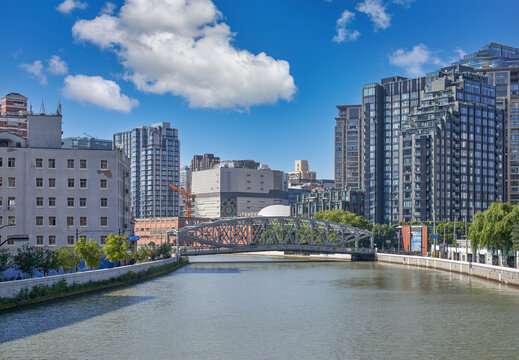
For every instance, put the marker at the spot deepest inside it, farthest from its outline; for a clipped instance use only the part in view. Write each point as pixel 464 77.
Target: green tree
pixel 492 229
pixel 146 252
pixel 48 261
pixel 515 236
pixel 67 259
pixel 27 259
pixel 5 260
pixel 164 250
pixel 383 233
pixel 89 251
pixel 116 248
pixel 344 217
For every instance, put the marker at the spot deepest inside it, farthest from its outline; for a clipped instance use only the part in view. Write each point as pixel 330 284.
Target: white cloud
pixel 109 8
pixel 57 66
pixel 98 91
pixel 460 53
pixel 405 3
pixel 414 60
pixel 36 70
pixel 183 48
pixel 376 11
pixel 342 33
pixel 67 6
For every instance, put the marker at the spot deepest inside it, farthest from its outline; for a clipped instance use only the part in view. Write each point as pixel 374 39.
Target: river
pixel 276 310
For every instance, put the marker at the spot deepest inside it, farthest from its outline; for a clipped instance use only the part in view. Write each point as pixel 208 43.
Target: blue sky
pixel 255 79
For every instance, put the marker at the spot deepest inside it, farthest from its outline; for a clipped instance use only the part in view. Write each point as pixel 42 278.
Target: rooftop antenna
pixel 42 109
pixel 58 110
pixel 30 107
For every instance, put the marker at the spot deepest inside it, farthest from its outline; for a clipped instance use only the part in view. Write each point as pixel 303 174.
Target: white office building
pixel 51 196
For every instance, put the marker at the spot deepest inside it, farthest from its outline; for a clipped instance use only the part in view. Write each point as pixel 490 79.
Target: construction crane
pixel 190 199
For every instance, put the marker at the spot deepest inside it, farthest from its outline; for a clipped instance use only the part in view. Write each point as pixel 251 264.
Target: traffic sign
pixel 435 236
pixel 133 238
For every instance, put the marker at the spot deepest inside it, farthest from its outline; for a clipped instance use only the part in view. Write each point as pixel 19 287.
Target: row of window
pixel 51 163
pixel 51 240
pixel 71 183
pixel 83 221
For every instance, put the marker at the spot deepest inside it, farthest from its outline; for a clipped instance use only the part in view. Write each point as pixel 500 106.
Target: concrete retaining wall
pixel 12 288
pixel 498 273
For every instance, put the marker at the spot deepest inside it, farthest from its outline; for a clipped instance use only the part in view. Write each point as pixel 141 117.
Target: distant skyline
pixel 242 80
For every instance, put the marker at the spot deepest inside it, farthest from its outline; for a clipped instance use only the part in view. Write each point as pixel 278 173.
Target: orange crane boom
pixel 189 199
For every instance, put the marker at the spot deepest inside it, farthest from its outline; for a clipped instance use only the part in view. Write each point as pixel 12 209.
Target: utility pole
pixel 444 237
pixel 454 238
pixel 434 227
pixel 466 240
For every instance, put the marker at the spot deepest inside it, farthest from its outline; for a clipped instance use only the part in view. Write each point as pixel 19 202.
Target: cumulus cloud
pixel 98 91
pixel 35 70
pixel 376 11
pixel 460 52
pixel 57 66
pixel 414 60
pixel 109 8
pixel 342 33
pixel 184 48
pixel 67 6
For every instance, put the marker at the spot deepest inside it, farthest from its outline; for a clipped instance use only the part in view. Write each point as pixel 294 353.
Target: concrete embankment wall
pixel 12 288
pixel 498 273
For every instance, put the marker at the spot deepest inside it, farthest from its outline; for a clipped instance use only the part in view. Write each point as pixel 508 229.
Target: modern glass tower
pixel 501 65
pixel 433 147
pixel 154 152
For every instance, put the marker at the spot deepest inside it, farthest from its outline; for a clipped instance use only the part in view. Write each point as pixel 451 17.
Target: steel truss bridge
pixel 255 234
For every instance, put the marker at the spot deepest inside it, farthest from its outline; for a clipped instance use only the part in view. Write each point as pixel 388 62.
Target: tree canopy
pixel 89 251
pixel 344 217
pixel 116 248
pixel 67 259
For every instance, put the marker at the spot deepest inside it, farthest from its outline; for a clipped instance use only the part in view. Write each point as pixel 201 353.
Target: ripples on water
pixel 279 310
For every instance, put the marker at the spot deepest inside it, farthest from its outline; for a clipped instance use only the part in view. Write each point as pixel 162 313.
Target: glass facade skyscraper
pixel 433 147
pixel 501 65
pixel 348 140
pixel 154 153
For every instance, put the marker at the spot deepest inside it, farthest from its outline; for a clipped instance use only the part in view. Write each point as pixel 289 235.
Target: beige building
pixel 301 174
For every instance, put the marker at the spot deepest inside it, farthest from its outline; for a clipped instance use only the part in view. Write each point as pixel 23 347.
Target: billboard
pixel 416 240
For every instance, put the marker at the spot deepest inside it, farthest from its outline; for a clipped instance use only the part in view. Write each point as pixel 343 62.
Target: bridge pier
pixel 363 256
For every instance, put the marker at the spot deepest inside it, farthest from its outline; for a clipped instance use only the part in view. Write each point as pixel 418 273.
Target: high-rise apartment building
pixel 204 162
pixel 154 153
pixel 433 147
pixel 13 116
pixel 348 149
pixel 501 65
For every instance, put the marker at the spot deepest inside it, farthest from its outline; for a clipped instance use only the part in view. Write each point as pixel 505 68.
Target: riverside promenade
pixel 501 274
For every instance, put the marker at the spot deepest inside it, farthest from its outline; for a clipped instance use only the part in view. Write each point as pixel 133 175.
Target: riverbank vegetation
pixel 61 289
pixel 30 260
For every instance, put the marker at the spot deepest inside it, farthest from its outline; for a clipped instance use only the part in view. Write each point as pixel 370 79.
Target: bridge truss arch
pixel 255 234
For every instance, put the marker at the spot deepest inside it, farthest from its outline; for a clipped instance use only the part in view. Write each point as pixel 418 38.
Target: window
pixel 52 202
pixel 11 182
pixel 52 163
pixel 70 202
pixel 104 164
pixel 11 220
pixel 70 221
pixel 104 202
pixel 52 240
pixel 82 202
pixel 71 183
pixel 39 165
pixel 83 221
pixel 70 239
pixel 52 221
pixel 39 182
pixel 103 221
pixel 39 201
pixel 83 183
pixel 103 184
pixel 39 240
pixel 1 220
pixel 70 163
pixel 39 220
pixel 103 239
pixel 52 182
pixel 11 203
pixel 0 181
pixel 11 162
pixel 82 164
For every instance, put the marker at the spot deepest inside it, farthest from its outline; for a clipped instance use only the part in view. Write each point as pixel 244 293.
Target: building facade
pixel 229 192
pixel 156 229
pixel 433 147
pixel 51 196
pixel 86 143
pixel 204 162
pixel 13 116
pixel 301 174
pixel 154 153
pixel 501 65
pixel 348 149
pixel 328 199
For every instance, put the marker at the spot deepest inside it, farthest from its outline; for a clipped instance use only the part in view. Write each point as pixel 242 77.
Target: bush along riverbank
pixel 42 293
